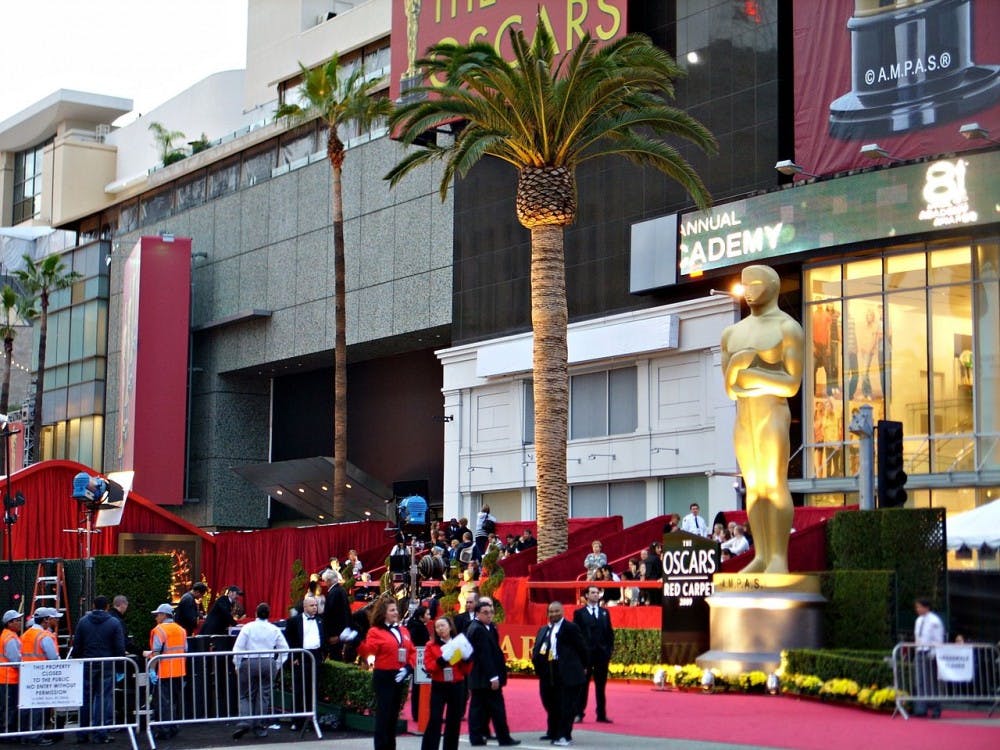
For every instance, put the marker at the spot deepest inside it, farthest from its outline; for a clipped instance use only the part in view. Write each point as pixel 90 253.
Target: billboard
pixel 154 332
pixel 904 75
pixel 913 199
pixel 419 24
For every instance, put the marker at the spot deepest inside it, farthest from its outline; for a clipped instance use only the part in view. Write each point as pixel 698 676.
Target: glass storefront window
pixel 919 344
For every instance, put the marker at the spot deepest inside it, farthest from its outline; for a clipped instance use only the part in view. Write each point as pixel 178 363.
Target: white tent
pixel 975 527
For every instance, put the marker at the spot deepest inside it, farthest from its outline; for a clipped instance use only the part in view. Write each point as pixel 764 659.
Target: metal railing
pixel 267 686
pixel 926 677
pixel 89 697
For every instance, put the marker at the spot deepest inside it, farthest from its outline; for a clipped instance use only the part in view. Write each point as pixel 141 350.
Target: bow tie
pixel 310 617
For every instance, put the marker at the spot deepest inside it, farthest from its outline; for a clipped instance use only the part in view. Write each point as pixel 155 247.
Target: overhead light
pixel 278 492
pixel 302 490
pixel 347 485
pixel 321 516
pixel 874 151
pixel 325 488
pixel 693 58
pixel 790 168
pixel 973 131
pixel 368 513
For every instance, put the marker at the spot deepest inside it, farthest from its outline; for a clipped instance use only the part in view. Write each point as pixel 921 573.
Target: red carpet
pixel 771 721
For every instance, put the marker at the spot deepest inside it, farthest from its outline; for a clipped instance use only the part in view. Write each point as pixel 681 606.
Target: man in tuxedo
pixel 188 612
pixel 595 623
pixel 486 680
pixel 220 618
pixel 305 630
pixel 464 619
pixel 560 660
pixel 336 614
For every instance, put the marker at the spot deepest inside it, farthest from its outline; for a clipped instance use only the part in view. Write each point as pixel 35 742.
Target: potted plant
pixel 164 139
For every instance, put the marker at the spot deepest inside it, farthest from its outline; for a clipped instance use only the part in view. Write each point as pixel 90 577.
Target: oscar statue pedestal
pixel 754 616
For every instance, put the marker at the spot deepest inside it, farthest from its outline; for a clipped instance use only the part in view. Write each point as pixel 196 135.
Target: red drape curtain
pixel 260 562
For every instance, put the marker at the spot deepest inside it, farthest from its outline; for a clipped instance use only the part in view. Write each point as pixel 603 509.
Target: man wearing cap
pixel 220 618
pixel 38 643
pixel 10 653
pixel 98 635
pixel 257 670
pixel 168 640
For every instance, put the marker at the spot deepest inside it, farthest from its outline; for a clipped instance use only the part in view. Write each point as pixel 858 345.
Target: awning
pixel 305 485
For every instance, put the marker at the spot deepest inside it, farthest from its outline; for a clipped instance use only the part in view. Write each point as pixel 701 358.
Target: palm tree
pixel 14 309
pixel 545 116
pixel 340 98
pixel 39 280
pixel 164 139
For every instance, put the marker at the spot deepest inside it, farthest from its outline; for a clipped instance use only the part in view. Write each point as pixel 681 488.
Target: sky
pixel 143 50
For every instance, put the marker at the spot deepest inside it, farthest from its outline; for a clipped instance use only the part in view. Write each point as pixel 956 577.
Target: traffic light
pixel 891 477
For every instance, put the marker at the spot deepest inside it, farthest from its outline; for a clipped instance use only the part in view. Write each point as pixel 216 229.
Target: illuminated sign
pixel 420 24
pixel 961 191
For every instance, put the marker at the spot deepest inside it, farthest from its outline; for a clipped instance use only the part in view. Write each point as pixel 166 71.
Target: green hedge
pixel 144 579
pixel 866 668
pixel 909 542
pixel 346 685
pixel 636 646
pixel 860 609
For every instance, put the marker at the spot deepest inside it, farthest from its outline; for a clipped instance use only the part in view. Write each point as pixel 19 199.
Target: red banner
pixel 419 24
pixel 904 76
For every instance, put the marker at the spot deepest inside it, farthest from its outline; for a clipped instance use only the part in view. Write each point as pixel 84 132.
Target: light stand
pixel 10 505
pixel 90 492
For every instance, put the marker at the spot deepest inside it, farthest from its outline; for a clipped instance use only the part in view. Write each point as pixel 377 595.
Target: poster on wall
pixel 904 76
pixel 420 24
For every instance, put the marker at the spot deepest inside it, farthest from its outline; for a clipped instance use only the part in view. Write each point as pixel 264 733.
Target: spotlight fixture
pixel 790 168
pixel 973 131
pixel 773 684
pixel 874 151
pixel 707 680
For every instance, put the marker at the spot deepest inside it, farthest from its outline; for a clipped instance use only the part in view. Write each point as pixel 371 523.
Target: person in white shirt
pixel 693 523
pixel 738 544
pixel 266 650
pixel 928 631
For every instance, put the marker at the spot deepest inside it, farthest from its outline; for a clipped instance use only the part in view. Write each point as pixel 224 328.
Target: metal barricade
pixel 88 697
pixel 926 677
pixel 267 686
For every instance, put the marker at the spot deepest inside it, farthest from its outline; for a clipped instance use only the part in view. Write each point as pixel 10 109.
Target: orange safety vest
pixel 31 644
pixel 174 639
pixel 8 675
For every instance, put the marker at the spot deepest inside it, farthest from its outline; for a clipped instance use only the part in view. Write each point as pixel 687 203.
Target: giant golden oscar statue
pixel 762 365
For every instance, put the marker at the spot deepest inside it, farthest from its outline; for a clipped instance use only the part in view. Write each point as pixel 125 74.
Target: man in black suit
pixel 464 619
pixel 188 608
pixel 595 623
pixel 305 630
pixel 486 680
pixel 560 661
pixel 220 618
pixel 336 614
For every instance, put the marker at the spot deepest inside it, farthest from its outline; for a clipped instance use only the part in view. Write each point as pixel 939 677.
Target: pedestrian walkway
pixel 650 719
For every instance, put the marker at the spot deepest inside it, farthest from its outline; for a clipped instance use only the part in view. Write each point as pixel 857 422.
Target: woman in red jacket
pixel 447 688
pixel 389 649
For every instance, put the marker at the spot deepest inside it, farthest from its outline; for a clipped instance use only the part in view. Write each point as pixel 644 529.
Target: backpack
pixel 489 525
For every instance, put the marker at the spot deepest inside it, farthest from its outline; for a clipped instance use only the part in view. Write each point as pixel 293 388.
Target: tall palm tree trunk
pixel 551 386
pixel 336 156
pixel 43 335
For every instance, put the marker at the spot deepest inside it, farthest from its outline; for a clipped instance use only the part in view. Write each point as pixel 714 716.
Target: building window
pixel 625 499
pixel 28 183
pixel 603 403
pixel 907 333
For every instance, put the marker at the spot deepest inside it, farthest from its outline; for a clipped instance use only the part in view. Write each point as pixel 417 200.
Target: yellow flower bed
pixel 691 676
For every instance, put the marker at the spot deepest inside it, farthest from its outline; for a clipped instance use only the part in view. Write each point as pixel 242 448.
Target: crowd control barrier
pixel 214 690
pixel 927 677
pixel 87 697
